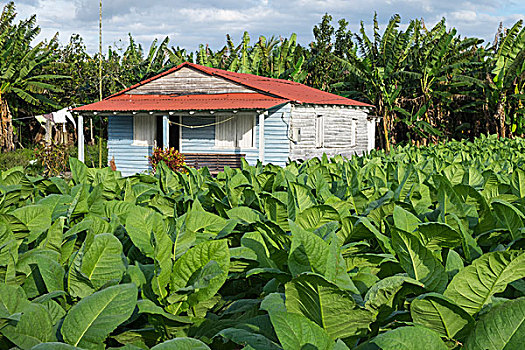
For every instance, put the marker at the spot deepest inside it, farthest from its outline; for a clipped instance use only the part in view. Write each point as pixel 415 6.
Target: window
pixel 353 137
pixel 319 131
pixel 235 131
pixel 144 130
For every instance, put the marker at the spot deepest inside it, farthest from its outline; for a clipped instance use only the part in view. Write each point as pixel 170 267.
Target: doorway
pixel 175 132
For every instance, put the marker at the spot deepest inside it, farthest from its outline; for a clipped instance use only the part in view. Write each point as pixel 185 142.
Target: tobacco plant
pixel 418 247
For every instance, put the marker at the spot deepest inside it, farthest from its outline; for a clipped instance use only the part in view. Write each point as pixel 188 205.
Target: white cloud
pixel 189 24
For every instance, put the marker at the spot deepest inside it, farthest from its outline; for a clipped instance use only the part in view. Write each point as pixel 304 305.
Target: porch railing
pixel 215 162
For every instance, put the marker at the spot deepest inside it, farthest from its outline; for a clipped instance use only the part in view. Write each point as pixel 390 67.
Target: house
pixel 209 113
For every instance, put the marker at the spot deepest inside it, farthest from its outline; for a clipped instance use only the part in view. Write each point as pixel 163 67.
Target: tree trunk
pixel 6 127
pixel 386 125
pixel 500 115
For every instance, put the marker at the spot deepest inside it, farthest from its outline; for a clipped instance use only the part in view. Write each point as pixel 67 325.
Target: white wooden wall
pixel 338 139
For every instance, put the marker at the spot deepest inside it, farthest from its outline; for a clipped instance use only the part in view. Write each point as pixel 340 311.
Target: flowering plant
pixel 173 159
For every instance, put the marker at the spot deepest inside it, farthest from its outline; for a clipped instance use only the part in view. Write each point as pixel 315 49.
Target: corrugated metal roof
pixel 128 102
pixel 291 90
pixel 279 91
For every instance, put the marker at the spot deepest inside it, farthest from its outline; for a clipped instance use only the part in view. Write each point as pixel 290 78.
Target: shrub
pixel 19 157
pixel 173 159
pixel 53 158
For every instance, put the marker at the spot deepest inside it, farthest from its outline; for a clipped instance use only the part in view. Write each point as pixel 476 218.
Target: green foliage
pixel 421 245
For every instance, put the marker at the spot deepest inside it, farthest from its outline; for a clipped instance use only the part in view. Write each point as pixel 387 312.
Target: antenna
pixel 100 80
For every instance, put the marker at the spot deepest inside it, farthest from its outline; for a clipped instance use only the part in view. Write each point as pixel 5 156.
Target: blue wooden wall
pixel 276 142
pixel 129 159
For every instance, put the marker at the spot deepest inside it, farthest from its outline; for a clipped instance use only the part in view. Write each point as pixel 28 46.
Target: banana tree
pixel 378 65
pixel 508 81
pixel 21 79
pixel 437 61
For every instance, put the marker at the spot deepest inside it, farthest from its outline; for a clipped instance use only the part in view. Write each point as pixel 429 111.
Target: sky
pixel 190 23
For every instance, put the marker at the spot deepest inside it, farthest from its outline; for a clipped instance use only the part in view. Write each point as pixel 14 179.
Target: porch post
pixel 261 135
pixel 80 138
pixel 165 131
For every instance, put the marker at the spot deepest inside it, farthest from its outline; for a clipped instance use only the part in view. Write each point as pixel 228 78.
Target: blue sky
pixel 189 23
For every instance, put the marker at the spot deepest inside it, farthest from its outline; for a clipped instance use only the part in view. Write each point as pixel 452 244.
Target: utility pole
pixel 100 80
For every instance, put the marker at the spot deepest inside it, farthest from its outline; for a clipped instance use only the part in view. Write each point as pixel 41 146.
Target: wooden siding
pixel 129 159
pixel 276 131
pixel 189 81
pixel 337 131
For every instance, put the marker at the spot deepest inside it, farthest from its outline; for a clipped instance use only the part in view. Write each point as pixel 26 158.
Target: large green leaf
pixel 246 337
pixel 276 211
pixel 503 327
pixel 35 218
pixel 316 216
pixel 102 262
pixel 34 327
pixel 418 261
pixel 182 344
pixel 197 221
pixel 13 299
pixel 297 332
pixel 310 253
pixel 473 285
pixel 405 220
pixel 405 338
pixel 436 235
pixel 79 170
pixel 327 305
pixel 42 271
pixel 300 198
pixel 256 243
pixel 139 226
pixel 453 264
pixel 436 312
pixel 382 240
pixel 148 232
pixel 88 323
pixel 386 295
pixel 203 269
pixel 509 216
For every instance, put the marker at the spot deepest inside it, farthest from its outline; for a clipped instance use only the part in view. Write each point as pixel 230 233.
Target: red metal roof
pixel 128 102
pixel 268 92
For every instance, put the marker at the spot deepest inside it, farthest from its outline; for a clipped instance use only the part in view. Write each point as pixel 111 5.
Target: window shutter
pixel 319 131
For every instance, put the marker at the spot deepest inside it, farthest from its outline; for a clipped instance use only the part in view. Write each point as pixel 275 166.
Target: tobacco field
pixel 419 248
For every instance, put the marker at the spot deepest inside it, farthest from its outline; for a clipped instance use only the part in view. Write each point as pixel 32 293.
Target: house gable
pixel 189 81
